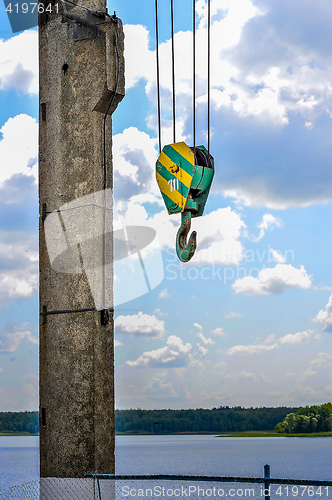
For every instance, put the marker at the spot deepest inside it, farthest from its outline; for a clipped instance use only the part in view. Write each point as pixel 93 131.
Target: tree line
pixel 19 422
pixel 307 420
pixel 216 420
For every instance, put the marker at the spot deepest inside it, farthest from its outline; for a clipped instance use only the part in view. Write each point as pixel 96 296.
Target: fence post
pixel 267 482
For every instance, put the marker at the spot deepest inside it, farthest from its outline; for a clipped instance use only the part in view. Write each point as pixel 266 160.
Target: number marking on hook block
pixel 174 184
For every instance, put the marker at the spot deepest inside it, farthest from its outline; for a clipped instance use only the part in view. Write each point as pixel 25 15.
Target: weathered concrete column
pixel 78 73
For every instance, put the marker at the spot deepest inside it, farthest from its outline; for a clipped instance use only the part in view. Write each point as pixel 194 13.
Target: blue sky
pixel 249 320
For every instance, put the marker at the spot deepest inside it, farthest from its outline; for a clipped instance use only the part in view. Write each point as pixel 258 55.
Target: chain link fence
pixel 115 487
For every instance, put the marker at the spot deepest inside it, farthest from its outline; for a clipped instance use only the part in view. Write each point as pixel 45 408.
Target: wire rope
pixel 194 79
pixel 173 68
pixel 209 77
pixel 158 74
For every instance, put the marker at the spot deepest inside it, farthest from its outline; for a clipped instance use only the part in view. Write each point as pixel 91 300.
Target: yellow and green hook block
pixel 184 177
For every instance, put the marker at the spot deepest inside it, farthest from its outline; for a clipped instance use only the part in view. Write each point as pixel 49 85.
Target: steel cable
pixel 209 76
pixel 173 68
pixel 158 74
pixel 194 79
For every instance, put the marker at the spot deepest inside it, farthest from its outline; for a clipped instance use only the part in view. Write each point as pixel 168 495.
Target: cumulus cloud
pixel 134 157
pixel 160 389
pixel 272 281
pixel 175 354
pixel 233 315
pixel 271 343
pixel 219 232
pixel 277 256
pixel 325 317
pixel 310 394
pixel 140 324
pixel 321 364
pixel 117 343
pixel 297 338
pixel 19 63
pixel 251 349
pixel 218 331
pixel 269 221
pixel 202 351
pixel 11 337
pixel 275 101
pixel 19 147
pixel 198 327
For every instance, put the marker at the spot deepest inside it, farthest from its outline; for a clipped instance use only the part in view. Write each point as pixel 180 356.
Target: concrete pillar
pixel 78 69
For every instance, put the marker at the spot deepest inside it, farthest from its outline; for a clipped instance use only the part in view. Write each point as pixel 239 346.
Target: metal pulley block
pixel 184 176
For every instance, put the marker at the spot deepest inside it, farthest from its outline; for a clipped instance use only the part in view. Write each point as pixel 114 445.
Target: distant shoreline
pixel 274 434
pixel 17 434
pixel 226 434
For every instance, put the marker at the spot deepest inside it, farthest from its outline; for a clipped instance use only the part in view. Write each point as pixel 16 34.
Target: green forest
pixel 19 422
pixel 217 420
pixel 307 420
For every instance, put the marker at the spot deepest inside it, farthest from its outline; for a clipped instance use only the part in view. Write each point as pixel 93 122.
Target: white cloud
pixel 18 262
pixel 310 394
pixel 198 326
pixel 174 355
pixel 19 62
pixel 204 340
pixel 19 147
pixel 218 238
pixel 218 331
pixel 274 281
pixel 140 324
pixel 243 376
pixel 268 222
pixel 11 336
pixel 297 338
pixel 325 317
pixel 134 158
pixel 159 388
pixel 159 312
pixel 203 351
pixel 257 85
pixel 164 294
pixel 271 343
pixel 137 43
pixel 250 349
pixel 117 343
pixel 277 256
pixel 321 364
pixel 233 315
pixel 218 232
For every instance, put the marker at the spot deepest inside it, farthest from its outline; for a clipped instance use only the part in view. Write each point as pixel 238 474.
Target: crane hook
pixel 185 250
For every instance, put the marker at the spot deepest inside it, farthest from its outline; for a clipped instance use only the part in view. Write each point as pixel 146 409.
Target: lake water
pixel 300 458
